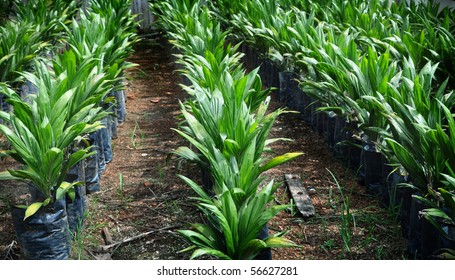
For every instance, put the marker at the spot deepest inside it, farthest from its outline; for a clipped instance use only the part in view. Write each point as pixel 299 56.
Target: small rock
pixel 312 191
pixel 147 184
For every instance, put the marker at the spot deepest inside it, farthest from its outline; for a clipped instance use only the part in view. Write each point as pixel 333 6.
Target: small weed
pixel 172 207
pixel 121 183
pixel 160 171
pixel 347 218
pixel 292 208
pixel 324 225
pixel 84 235
pixel 370 237
pixel 379 252
pixel 78 240
pixel 140 75
pixel 134 137
pixel 393 207
pixel 328 245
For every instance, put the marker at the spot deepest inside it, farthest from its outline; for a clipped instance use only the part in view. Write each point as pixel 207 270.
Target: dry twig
pixel 139 236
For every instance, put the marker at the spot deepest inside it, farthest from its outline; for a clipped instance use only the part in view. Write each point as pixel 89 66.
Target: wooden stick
pixel 107 236
pixel 10 250
pixel 130 239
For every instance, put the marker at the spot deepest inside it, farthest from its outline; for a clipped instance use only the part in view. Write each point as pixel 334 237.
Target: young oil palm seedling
pixel 101 37
pixel 20 42
pixel 419 140
pixel 435 25
pixel 41 138
pixel 227 111
pixel 227 123
pixel 333 60
pixel 234 161
pixel 174 13
pixel 87 39
pixel 122 23
pixel 427 178
pixel 408 104
pixel 440 202
pixel 86 74
pixel 121 8
pixel 50 16
pixel 446 49
pixel 108 39
pixel 347 77
pixel 219 73
pixel 77 87
pixel 225 9
pixel 285 37
pixel 232 231
pixel 200 35
pixel 254 22
pixel 40 132
pixel 238 212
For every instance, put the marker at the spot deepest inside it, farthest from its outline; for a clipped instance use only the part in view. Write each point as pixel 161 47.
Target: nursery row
pixel 62 70
pixel 227 123
pixel 376 74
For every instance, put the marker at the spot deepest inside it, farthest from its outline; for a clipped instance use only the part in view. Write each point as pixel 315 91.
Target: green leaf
pixel 63 189
pixel 32 209
pixel 279 242
pixel 6 175
pixel 211 252
pixel 279 160
pixel 71 194
pixel 434 212
pixel 252 248
pixel 187 153
pixel 447 254
pixel 198 189
pixel 191 248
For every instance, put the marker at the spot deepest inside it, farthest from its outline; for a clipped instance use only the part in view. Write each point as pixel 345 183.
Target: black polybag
pixel 45 234
pixel 75 208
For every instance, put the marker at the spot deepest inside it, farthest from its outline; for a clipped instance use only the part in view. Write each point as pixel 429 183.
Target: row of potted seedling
pixel 61 122
pixel 227 123
pixel 382 71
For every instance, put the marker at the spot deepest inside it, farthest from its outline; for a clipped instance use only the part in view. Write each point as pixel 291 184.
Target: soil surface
pixel 142 202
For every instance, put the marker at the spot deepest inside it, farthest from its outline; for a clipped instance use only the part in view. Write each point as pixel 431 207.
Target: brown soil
pixel 153 198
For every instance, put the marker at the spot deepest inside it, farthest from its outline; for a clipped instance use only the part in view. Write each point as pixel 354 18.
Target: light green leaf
pixel 279 242
pixel 32 209
pixel 279 160
pixel 6 175
pixel 63 189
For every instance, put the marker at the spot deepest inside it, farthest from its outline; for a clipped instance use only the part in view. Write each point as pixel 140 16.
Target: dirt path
pixel 140 192
pixel 140 189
